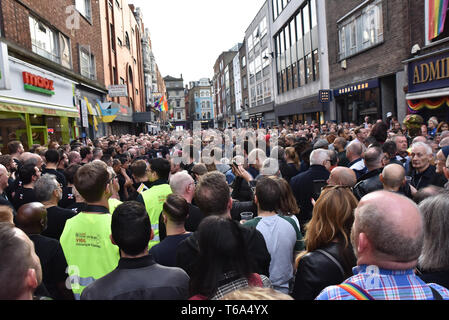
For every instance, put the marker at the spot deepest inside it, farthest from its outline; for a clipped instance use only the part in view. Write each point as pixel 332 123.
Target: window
pixel 66 56
pixel 122 81
pixel 178 115
pixel 87 63
pixel 119 42
pixel 84 7
pixel 309 70
pixel 361 30
pixel 243 62
pixel 44 41
pixel 112 34
pixel 127 43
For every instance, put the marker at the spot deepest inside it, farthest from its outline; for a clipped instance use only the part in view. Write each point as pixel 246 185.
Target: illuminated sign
pixel 430 73
pixel 325 96
pixel 38 84
pixel 370 84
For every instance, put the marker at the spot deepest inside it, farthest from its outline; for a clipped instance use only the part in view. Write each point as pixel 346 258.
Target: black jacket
pixel 241 190
pixel 258 253
pixel 303 190
pixel 424 179
pixel 369 182
pixel 140 279
pixel 316 271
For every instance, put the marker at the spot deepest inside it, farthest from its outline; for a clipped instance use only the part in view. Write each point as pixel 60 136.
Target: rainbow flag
pixel 437 17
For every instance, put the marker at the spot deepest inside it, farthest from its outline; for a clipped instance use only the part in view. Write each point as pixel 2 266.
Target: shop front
pixel 123 123
pixel 88 100
pixel 301 111
pixel 358 100
pixel 37 107
pixel 428 86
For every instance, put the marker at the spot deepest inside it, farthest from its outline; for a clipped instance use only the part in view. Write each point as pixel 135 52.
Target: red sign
pixel 37 81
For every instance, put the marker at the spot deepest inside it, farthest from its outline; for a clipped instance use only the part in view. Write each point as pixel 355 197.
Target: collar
pixel 428 172
pixel 130 263
pixel 370 174
pixel 95 209
pixel 354 162
pixel 363 269
pixel 159 182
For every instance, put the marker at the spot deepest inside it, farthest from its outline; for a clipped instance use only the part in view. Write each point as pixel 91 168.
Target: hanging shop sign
pixel 428 74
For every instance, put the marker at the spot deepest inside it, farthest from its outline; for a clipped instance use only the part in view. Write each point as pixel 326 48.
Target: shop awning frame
pixel 25 106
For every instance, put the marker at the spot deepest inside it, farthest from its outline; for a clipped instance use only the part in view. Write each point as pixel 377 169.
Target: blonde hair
pixel 290 152
pixel 332 217
pixel 256 293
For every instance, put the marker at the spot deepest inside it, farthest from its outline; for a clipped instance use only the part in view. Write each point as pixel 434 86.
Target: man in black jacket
pixel 137 276
pixel 303 183
pixel 370 181
pixel 213 198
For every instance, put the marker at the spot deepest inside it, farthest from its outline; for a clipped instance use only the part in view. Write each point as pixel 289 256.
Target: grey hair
pixel 318 156
pixel 45 186
pixel 425 145
pixel 385 237
pixel 435 253
pixel 270 167
pixel 179 182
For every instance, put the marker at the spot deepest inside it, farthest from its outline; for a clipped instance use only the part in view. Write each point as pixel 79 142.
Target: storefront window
pixel 54 129
pixel 356 106
pixel 12 129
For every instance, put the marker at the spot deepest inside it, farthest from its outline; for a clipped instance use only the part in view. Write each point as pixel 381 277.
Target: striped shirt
pixel 383 284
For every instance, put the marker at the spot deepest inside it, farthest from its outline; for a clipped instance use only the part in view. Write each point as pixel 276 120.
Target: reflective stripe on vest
pixel 154 200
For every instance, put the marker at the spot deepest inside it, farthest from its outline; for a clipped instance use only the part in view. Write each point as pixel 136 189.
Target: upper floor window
pixel 361 30
pixel 49 43
pixel 84 7
pixel 127 42
pixel 436 20
pixel 87 63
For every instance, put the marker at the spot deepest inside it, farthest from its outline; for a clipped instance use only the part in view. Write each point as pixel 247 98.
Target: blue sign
pixel 428 74
pixel 365 85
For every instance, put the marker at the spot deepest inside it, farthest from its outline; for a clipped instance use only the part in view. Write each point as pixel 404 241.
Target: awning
pixel 24 106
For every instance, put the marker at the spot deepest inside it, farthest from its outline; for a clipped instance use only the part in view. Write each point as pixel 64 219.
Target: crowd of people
pixel 305 211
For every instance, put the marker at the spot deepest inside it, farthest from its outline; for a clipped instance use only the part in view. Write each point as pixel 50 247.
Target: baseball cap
pixel 389 114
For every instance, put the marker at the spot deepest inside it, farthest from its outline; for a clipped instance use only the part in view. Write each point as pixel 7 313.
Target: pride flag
pixel 437 17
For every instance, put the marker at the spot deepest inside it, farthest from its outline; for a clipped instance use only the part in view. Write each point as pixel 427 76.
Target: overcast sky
pixel 188 36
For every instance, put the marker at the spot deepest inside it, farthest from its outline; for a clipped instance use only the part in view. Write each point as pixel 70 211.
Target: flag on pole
pixel 437 17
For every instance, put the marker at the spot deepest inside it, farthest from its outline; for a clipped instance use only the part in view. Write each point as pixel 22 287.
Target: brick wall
pixel 17 27
pixel 383 59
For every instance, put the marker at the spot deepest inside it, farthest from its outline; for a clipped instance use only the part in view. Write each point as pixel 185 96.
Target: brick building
pixel 368 40
pixel 427 66
pixel 49 42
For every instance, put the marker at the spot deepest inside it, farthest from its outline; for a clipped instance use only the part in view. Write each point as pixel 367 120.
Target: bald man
pixel 342 176
pixel 32 219
pixel 20 268
pixel 387 237
pixel 393 177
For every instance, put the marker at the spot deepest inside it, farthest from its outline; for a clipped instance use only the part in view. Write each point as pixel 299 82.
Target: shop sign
pixel 325 96
pixel 428 74
pixel 120 90
pixel 370 84
pixel 4 67
pixel 38 84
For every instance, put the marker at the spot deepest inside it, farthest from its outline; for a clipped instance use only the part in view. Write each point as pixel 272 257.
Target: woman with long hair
pixel 222 265
pixel 329 257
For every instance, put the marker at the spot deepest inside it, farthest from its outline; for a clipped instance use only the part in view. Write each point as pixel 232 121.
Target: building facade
pixel 122 31
pixel 427 68
pixel 259 73
pixel 201 106
pixel 299 38
pixel 223 89
pixel 46 72
pixel 176 101
pixel 368 41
